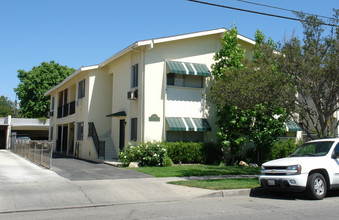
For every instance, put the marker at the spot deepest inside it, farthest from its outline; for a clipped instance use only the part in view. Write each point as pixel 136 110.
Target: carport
pixel 10 128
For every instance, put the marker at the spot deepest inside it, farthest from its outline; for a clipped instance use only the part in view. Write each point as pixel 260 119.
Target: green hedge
pixel 163 153
pixel 185 152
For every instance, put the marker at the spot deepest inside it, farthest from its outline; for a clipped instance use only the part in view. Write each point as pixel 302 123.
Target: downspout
pixel 142 102
pixel 164 104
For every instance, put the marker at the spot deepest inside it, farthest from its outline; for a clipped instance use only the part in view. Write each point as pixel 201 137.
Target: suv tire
pixel 316 186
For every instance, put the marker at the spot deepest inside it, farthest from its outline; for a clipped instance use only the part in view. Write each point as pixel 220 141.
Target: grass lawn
pixel 243 183
pixel 197 170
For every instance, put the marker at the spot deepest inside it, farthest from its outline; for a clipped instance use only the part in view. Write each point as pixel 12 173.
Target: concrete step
pixel 110 151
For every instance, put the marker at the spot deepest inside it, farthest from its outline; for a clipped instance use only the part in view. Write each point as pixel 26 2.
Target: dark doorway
pixel 58 144
pixel 3 137
pixel 64 139
pixel 122 134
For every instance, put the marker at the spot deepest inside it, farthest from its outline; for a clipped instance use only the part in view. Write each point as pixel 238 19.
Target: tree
pixel 243 111
pixel 312 65
pixel 33 85
pixel 6 106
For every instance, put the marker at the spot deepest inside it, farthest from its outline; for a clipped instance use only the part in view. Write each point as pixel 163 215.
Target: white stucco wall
pixel 195 50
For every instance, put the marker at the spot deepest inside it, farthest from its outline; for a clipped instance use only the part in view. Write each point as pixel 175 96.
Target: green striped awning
pixel 187 124
pixel 292 126
pixel 188 68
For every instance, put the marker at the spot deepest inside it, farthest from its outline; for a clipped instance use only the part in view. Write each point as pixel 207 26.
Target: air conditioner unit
pixel 130 95
pixel 135 94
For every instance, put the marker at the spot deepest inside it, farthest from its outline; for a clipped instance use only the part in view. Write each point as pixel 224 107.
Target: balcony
pixel 67 109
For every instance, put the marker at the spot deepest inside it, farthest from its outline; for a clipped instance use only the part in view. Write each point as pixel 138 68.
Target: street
pixel 235 207
pixel 32 192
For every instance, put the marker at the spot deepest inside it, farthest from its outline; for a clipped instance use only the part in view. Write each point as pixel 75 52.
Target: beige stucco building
pixel 152 90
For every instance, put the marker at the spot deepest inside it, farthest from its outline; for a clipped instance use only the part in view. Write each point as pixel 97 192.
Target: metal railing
pixel 99 145
pixel 39 152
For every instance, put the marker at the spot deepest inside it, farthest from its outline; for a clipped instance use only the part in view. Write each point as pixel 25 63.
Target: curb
pixel 236 192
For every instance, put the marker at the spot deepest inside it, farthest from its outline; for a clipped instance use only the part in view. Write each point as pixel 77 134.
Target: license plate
pixel 271 182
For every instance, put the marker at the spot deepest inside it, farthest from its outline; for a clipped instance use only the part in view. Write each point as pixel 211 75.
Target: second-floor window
pixel 81 89
pixel 52 103
pixel 134 75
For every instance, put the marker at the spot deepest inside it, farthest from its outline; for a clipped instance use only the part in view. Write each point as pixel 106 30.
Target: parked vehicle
pixel 313 168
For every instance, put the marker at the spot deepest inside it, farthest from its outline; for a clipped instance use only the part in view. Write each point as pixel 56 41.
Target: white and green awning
pixel 187 124
pixel 187 68
pixel 292 126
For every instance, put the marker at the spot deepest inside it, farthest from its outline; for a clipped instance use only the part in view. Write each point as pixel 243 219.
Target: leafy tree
pixel 268 123
pixel 232 123
pixel 33 85
pixel 6 106
pixel 313 66
pixel 245 93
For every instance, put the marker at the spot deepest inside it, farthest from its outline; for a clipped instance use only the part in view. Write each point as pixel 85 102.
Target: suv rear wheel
pixel 316 186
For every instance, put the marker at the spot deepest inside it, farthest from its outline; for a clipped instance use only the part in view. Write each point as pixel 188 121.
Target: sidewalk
pixel 26 186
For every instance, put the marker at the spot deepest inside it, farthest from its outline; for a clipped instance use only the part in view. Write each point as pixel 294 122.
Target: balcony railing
pixel 72 108
pixel 67 109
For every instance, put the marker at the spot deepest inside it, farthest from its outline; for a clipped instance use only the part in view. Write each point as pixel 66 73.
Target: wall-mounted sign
pixel 154 117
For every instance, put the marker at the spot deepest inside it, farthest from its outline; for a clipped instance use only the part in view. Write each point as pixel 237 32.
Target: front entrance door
pixel 122 134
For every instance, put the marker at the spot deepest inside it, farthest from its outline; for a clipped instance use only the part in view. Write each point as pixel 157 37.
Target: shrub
pixel 212 152
pixel 185 152
pixel 146 154
pixel 284 148
pixel 165 153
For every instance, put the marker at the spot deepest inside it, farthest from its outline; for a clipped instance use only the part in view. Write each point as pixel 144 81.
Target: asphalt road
pixel 74 169
pixel 236 207
pixel 32 192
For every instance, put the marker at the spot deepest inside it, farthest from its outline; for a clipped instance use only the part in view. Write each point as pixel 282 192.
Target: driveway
pixel 76 183
pixel 75 169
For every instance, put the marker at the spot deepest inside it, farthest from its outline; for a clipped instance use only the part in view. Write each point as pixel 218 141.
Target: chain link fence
pixel 39 152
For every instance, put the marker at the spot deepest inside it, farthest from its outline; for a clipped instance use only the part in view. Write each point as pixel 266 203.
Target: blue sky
pixel 86 32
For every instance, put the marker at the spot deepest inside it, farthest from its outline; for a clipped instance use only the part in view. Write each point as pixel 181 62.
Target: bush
pixel 146 154
pixel 186 152
pixel 212 152
pixel 165 153
pixel 284 148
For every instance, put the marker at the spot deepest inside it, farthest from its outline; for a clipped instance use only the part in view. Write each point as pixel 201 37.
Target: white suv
pixel 313 167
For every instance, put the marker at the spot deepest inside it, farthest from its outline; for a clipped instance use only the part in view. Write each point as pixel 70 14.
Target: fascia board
pixel 248 40
pixel 82 69
pixel 168 39
pixel 119 54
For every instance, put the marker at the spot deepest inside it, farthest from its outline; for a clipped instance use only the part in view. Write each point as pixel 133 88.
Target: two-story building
pixel 152 90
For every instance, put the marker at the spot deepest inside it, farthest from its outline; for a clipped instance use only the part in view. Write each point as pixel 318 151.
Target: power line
pixel 260 13
pixel 283 9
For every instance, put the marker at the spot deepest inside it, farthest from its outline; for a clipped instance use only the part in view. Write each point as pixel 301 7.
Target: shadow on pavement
pixel 281 195
pixel 267 194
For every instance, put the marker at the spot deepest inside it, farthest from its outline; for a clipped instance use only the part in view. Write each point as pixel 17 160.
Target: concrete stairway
pixel 110 152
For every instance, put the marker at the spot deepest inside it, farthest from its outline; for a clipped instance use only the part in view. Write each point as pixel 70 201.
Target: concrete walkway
pixel 26 186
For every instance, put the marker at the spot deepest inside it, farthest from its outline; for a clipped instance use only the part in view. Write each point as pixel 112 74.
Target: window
pixel 134 75
pixel 81 89
pixel 134 129
pixel 80 133
pixel 52 104
pixel 183 80
pixel 51 134
pixel 185 136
